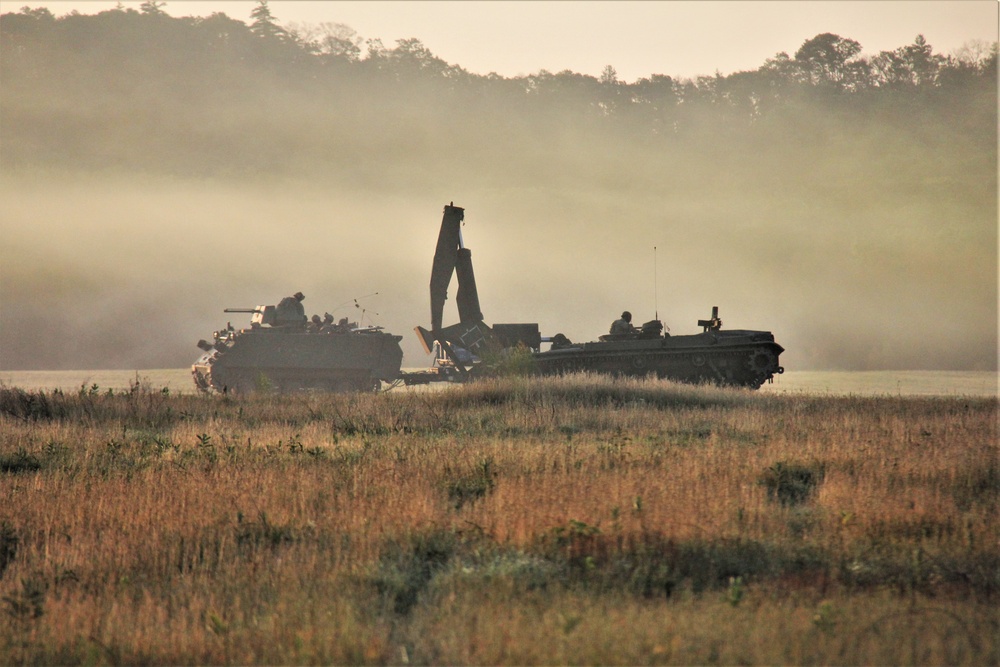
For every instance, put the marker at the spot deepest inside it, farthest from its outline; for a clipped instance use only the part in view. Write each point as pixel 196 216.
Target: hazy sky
pixel 680 39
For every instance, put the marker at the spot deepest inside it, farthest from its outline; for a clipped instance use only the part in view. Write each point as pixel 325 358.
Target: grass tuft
pixel 792 483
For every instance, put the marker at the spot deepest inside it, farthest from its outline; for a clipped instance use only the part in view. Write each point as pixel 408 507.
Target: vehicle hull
pixel 297 360
pixel 736 358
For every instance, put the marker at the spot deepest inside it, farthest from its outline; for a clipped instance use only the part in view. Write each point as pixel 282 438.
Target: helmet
pixel 627 316
pixel 299 296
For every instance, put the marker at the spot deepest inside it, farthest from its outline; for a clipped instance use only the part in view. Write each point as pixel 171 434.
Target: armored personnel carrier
pixel 737 357
pixel 283 351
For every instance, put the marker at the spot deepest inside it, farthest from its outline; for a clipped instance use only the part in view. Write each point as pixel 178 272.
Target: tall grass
pixel 517 520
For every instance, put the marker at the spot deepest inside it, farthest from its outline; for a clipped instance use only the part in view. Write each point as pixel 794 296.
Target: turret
pixel 288 313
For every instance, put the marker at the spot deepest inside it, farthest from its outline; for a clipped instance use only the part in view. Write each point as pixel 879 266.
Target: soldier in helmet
pixel 290 310
pixel 623 325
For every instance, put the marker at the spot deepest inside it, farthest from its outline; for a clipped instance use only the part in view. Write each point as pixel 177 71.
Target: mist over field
pixel 157 170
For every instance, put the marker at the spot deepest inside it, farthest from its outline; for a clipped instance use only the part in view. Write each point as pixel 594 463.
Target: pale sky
pixel 680 39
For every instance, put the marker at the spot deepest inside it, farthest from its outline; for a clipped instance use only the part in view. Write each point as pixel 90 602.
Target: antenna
pixel 361 321
pixel 656 304
pixel 355 300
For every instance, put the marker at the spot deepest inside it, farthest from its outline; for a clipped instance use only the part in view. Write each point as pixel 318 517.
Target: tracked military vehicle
pixel 727 357
pixel 283 351
pixel 737 357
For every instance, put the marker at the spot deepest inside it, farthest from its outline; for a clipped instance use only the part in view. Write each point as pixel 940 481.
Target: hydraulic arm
pixel 469 338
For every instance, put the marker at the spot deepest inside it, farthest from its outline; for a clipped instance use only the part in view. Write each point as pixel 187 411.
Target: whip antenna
pixel 355 300
pixel 656 303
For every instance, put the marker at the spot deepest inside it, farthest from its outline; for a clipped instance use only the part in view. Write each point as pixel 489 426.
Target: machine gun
pixel 713 324
pixel 261 315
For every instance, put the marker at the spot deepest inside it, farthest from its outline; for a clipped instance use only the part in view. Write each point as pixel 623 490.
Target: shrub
pixel 407 566
pixel 8 545
pixel 792 483
pixel 26 405
pixel 469 487
pixel 19 461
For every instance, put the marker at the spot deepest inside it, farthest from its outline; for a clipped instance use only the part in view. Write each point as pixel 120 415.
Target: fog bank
pixel 120 274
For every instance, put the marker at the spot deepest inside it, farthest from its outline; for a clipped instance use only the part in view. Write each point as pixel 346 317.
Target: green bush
pixel 792 483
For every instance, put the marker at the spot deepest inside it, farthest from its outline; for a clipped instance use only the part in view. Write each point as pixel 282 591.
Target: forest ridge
pixel 127 90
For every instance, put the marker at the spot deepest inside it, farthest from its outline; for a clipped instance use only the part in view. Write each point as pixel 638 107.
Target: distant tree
pixel 915 65
pixel 151 7
pixel 41 13
pixel 264 23
pixel 304 34
pixel 376 50
pixel 976 53
pixel 825 59
pixel 782 68
pixel 341 41
pixel 609 102
pixel 888 70
pixel 376 61
pixel 654 104
pixel 746 95
pixel 336 40
pixel 228 39
pixel 921 61
pixel 411 57
pixel 972 74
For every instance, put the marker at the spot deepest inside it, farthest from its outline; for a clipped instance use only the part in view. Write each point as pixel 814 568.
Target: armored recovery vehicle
pixel 736 357
pixel 281 350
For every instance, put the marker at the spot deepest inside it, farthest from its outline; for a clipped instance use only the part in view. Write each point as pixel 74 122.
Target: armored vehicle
pixel 281 350
pixel 736 357
pixel 726 357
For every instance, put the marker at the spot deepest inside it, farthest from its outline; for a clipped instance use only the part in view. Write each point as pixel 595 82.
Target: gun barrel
pixel 240 310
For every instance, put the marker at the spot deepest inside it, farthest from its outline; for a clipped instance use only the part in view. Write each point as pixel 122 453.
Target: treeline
pixel 127 89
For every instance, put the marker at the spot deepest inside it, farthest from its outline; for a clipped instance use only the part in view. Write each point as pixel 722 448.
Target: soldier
pixel 315 324
pixel 290 310
pixel 623 325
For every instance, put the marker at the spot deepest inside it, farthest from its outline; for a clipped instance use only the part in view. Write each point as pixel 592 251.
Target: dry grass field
pixel 576 520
